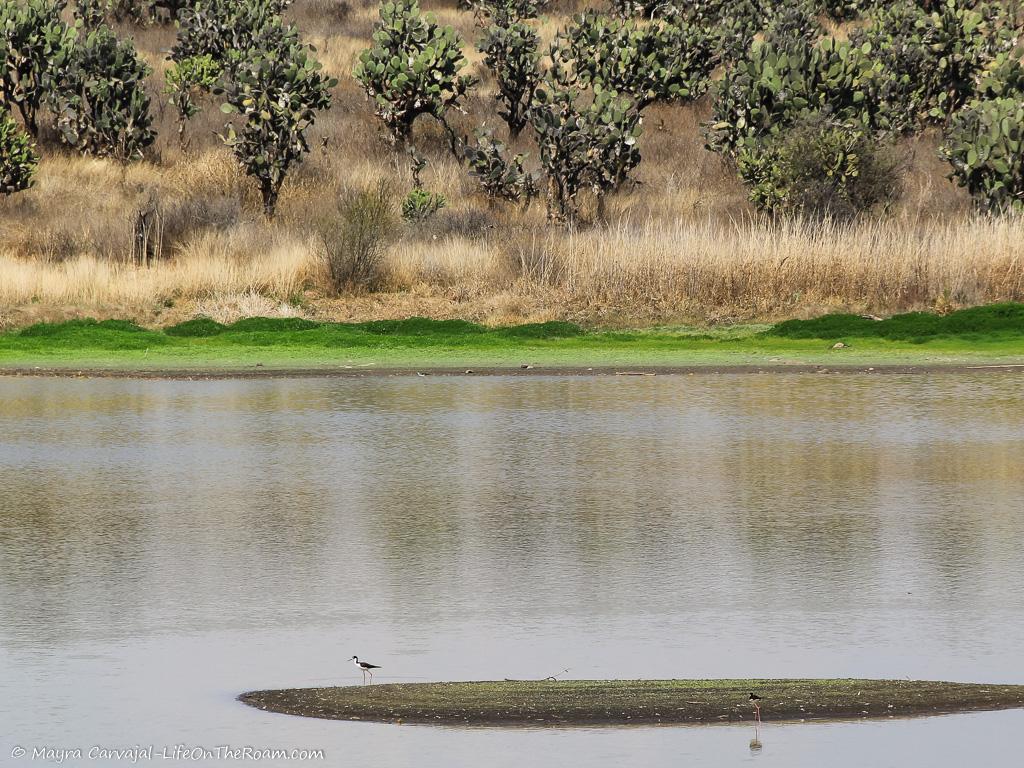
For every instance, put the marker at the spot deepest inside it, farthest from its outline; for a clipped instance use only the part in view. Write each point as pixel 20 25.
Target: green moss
pixel 992 334
pixel 612 702
pixel 552 329
pixel 994 319
pixel 199 327
pixel 75 327
pixel 416 326
pixel 273 324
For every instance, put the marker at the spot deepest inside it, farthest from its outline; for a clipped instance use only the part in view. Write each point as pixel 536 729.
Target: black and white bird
pixel 365 667
pixel 756 701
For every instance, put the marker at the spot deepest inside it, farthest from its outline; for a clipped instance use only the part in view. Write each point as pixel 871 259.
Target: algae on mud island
pixel 623 702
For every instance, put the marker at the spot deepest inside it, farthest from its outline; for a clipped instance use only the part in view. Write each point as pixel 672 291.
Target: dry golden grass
pixel 625 274
pixel 680 245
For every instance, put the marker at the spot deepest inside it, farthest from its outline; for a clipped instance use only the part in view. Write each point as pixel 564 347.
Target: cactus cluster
pixel 773 87
pixel 646 60
pixel 101 102
pixel 931 64
pixel 844 10
pixel 92 13
pixel 500 178
pixel 985 146
pixel 413 68
pixel 792 23
pixel 35 56
pixel 275 91
pixel 963 37
pixel 584 144
pixel 225 30
pixel 18 159
pixel 511 52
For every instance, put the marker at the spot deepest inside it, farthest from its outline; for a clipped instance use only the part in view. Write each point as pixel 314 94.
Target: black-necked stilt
pixel 365 667
pixel 755 699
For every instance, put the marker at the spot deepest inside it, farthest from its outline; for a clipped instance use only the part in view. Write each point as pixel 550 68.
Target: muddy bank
pixel 611 702
pixel 263 372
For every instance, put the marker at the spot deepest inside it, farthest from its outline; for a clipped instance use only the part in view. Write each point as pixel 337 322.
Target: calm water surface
pixel 167 545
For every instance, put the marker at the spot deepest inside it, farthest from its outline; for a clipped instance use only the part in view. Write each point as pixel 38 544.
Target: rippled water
pixel 166 545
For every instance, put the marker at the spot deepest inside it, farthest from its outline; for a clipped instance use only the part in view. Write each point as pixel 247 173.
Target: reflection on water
pixel 165 545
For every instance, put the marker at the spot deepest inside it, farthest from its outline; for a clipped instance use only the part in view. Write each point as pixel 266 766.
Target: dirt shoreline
pixel 625 702
pixel 261 372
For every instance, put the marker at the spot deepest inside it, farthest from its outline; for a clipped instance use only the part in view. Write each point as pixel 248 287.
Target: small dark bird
pixel 365 667
pixel 753 696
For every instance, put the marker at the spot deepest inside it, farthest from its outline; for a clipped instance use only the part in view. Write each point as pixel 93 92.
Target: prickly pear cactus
pixel 963 37
pixel 101 104
pixel 773 86
pixel 500 177
pixel 510 49
pixel 18 160
pixel 844 10
pixel 413 68
pixel 985 146
pixel 793 23
pixel 275 92
pixel 646 60
pixel 92 13
pixel 35 52
pixel 225 30
pixel 584 144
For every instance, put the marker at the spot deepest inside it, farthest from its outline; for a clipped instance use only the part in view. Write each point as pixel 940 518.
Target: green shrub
pixel 187 80
pixel 276 91
pixel 356 235
pixel 76 328
pixel 101 103
pixel 515 10
pixel 35 53
pixel 420 326
pixel 820 167
pixel 1003 76
pixel 412 69
pixel 18 160
pixel 420 205
pixel 985 146
pixel 733 23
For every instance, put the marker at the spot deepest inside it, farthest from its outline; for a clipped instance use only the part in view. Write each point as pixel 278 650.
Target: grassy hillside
pixel 679 245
